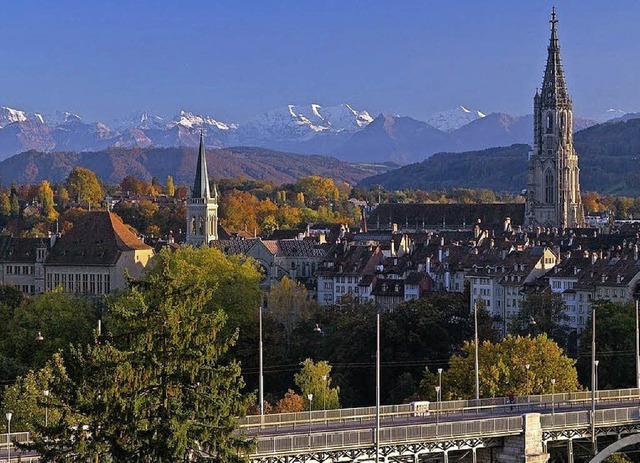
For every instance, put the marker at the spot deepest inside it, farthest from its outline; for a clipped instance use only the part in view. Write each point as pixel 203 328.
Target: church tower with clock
pixel 202 207
pixel 553 193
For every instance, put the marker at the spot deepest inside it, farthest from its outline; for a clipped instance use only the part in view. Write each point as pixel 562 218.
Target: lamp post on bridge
pixel 553 396
pixel 526 368
pixel 377 387
pixel 475 338
pixel 310 397
pixel 8 417
pixel 260 379
pixel 438 389
pixel 593 379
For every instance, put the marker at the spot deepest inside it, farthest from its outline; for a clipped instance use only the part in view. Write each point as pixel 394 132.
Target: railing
pixel 21 437
pixel 405 434
pixel 391 412
pixel 21 459
pixel 582 418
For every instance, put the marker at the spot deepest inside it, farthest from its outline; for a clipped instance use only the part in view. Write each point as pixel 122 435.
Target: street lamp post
pixel 310 397
pixel 377 387
pixel 324 392
pixel 593 378
pixel 475 337
pixel 596 363
pixel 8 417
pixel 440 380
pixel 46 407
pixel 637 347
pixel 261 380
pixel 437 406
pixel 553 396
pixel 526 367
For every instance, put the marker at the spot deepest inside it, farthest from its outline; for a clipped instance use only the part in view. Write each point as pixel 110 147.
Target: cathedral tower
pixel 202 209
pixel 553 193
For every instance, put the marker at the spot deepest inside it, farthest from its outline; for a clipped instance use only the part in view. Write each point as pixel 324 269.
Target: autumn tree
pixel 291 402
pixel 315 187
pixel 83 185
pixel 503 369
pixel 238 211
pixel 45 198
pixel 5 204
pixel 315 378
pixel 170 187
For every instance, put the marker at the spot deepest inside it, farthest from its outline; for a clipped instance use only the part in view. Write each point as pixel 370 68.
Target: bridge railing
pixel 497 404
pixel 582 418
pixel 269 445
pixel 21 437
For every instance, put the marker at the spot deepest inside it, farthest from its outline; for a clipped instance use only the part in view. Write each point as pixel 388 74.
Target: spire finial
pixel 553 19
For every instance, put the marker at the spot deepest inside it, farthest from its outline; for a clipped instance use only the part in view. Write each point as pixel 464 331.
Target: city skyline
pixel 235 60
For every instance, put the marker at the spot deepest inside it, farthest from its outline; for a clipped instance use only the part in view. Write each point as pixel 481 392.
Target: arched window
pixel 549 187
pixel 549 123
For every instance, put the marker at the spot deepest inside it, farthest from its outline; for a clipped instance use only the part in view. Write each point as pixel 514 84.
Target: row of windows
pixel 347 289
pixel 19 269
pixel 87 283
pixel 557 284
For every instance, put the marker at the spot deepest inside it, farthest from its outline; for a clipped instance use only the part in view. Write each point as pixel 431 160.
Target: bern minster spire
pixel 554 88
pixel 553 192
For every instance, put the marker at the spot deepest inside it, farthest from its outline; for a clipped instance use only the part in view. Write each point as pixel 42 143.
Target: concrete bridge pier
pixel 526 447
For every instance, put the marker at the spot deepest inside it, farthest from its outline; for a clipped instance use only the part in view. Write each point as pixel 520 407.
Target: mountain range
pixel 608 156
pixel 344 132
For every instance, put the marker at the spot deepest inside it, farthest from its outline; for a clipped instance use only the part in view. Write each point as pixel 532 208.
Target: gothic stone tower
pixel 202 209
pixel 553 193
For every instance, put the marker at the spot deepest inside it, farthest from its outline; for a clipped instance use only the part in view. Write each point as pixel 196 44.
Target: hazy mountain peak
pixel 453 119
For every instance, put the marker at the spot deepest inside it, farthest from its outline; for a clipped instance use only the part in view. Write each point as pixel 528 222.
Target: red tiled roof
pixel 97 239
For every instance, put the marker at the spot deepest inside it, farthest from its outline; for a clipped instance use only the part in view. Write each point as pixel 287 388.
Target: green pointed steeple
pixel 201 183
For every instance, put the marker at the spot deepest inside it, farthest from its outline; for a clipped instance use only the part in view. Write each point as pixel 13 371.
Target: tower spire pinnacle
pixel 201 183
pixel 554 89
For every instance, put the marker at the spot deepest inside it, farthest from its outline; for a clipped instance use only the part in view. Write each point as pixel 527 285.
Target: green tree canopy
pixel 543 313
pixel 60 318
pixel 315 379
pixel 503 369
pixel 83 186
pixel 615 345
pixel 159 385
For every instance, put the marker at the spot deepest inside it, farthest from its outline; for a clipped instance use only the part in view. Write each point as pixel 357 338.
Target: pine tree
pixel 156 388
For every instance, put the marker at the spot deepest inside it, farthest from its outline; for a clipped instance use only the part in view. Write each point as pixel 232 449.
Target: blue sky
pixel 232 59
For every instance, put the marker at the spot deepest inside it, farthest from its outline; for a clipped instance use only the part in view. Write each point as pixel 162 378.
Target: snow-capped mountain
pixel 611 113
pixel 306 121
pixel 339 130
pixel 453 119
pixel 191 120
pixel 10 116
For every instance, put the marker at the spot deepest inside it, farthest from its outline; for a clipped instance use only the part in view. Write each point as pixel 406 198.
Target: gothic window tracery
pixel 549 123
pixel 549 187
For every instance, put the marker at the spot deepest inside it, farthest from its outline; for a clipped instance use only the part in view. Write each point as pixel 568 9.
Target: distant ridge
pixel 113 164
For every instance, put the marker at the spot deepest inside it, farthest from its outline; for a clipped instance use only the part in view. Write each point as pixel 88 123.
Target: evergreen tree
pixel 156 387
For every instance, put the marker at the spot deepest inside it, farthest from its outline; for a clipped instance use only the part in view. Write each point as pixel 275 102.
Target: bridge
pixel 478 431
pixel 474 431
